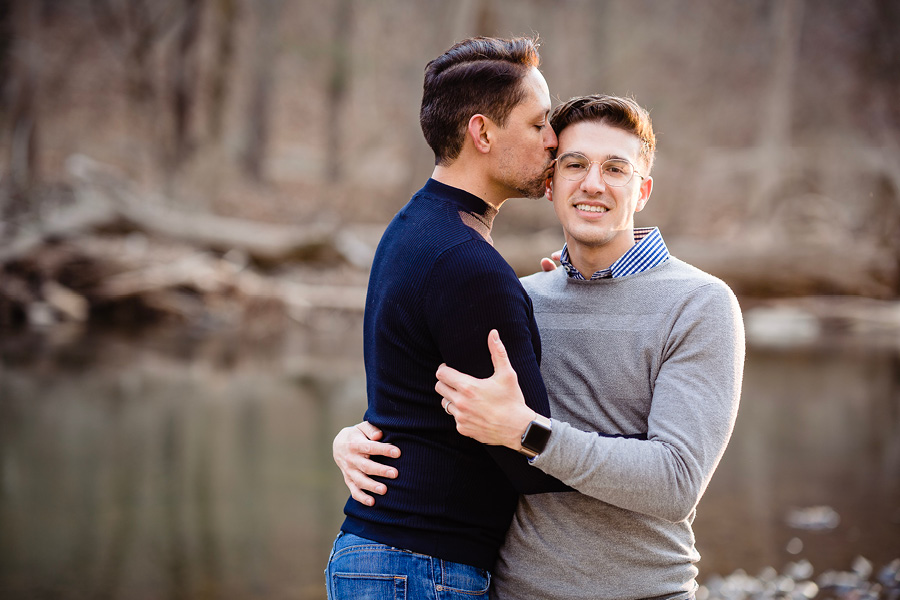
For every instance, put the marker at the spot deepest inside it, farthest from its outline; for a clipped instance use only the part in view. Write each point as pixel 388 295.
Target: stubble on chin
pixel 534 191
pixel 535 188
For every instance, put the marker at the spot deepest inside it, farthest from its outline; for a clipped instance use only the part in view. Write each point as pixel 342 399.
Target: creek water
pixel 170 465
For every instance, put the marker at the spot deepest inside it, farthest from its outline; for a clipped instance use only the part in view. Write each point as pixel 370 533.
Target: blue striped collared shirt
pixel 649 250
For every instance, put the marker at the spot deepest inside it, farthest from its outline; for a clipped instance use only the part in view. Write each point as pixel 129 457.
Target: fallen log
pixel 61 222
pixel 133 281
pixel 208 274
pixel 267 244
pixel 106 199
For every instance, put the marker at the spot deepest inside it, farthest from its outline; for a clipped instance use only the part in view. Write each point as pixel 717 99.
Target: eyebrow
pixel 606 158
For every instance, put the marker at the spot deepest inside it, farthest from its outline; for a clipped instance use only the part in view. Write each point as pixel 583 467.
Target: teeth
pixel 589 208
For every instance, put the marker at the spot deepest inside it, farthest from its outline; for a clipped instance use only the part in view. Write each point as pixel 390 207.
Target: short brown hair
pixel 479 75
pixel 614 111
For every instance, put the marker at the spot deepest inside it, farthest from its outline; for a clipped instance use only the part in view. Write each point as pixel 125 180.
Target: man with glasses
pixel 640 347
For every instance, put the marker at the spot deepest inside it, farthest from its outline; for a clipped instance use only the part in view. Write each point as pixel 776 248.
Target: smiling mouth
pixel 589 208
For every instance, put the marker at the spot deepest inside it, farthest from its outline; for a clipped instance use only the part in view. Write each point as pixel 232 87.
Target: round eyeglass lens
pixel 617 172
pixel 574 166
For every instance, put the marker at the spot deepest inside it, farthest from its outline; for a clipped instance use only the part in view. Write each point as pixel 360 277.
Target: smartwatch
pixel 536 436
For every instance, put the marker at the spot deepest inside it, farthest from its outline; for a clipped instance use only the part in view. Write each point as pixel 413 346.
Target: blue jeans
pixel 360 569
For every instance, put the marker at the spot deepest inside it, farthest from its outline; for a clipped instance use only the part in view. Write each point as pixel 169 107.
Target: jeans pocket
pixel 463 581
pixel 366 586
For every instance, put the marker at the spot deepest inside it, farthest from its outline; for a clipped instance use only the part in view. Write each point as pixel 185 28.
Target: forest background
pixel 191 192
pixel 278 137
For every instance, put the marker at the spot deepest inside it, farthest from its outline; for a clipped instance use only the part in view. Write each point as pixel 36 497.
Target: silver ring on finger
pixel 447 407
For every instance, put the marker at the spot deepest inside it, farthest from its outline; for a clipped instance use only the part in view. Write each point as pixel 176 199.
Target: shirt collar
pixel 649 250
pixel 467 201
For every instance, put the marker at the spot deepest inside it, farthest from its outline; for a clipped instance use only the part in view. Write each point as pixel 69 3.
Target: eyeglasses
pixel 616 172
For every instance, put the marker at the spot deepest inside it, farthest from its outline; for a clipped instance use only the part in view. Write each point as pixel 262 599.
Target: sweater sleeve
pixel 693 408
pixel 471 291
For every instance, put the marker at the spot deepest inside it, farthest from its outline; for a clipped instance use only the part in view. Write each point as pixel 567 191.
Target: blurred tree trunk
pixel 256 139
pixel 225 14
pixel 7 37
pixel 455 21
pixel 21 82
pixel 136 27
pixel 470 18
pixel 337 89
pixel 185 71
pixel 880 61
pixel 775 131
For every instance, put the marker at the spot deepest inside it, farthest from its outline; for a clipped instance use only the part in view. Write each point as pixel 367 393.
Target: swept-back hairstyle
pixel 479 75
pixel 614 111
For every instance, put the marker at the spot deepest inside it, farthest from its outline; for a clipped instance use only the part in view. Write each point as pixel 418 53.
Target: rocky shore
pixel 863 581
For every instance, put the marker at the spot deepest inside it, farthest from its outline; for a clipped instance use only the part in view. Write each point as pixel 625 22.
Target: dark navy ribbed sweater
pixel 436 289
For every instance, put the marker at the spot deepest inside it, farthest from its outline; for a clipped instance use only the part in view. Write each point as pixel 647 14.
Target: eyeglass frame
pixel 634 171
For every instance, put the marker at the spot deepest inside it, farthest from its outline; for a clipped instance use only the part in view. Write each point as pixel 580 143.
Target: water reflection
pixel 817 428
pixel 160 467
pixel 156 469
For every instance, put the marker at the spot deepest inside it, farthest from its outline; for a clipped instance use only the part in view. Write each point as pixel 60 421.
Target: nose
pixel 550 141
pixel 593 180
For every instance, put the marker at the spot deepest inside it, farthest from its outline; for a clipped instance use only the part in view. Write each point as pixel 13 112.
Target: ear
pixel 479 132
pixel 548 188
pixel 645 189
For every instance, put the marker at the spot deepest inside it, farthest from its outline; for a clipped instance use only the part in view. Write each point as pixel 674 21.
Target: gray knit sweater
pixel 659 353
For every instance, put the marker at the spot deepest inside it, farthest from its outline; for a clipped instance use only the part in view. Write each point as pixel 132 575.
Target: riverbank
pixel 862 581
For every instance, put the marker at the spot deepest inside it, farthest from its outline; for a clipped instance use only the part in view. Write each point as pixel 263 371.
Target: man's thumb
pixel 498 352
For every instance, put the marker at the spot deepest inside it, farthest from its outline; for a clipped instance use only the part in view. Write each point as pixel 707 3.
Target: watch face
pixel 536 437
